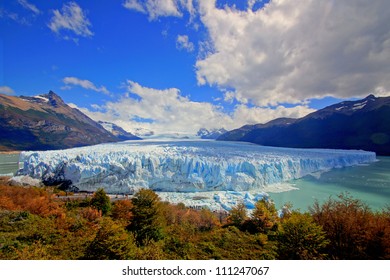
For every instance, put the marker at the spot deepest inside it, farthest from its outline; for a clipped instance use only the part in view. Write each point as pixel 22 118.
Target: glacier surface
pixel 183 166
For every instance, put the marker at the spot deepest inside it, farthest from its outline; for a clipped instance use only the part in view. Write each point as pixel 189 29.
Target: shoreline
pixel 9 152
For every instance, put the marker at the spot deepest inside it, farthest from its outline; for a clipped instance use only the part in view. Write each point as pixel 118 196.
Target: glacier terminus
pixel 182 165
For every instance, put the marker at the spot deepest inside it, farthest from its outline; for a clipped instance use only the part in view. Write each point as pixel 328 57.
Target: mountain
pixel 204 133
pixel 362 124
pixel 45 122
pixel 142 132
pixel 119 132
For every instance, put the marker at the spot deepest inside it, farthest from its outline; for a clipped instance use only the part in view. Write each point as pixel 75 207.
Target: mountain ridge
pixel 118 131
pixel 361 124
pixel 45 122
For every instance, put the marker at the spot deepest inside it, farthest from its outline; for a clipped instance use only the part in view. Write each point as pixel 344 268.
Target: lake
pixel 8 163
pixel 369 183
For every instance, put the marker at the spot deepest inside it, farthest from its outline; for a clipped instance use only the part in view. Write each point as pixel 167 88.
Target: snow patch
pixel 107 126
pixel 359 106
pixel 42 98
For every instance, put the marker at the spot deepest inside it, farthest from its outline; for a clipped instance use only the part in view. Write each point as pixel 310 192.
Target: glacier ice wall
pixel 182 166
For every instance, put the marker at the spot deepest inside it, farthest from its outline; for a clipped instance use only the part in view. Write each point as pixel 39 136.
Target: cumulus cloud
pixel 73 81
pixel 6 90
pixel 71 18
pixel 161 8
pixel 254 115
pixel 291 51
pixel 183 43
pixel 167 111
pixel 25 4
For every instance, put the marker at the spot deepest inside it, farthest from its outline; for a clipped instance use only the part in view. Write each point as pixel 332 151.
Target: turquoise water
pixel 8 163
pixel 369 183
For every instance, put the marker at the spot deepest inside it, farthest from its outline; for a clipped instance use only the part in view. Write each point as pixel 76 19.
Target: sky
pixel 175 66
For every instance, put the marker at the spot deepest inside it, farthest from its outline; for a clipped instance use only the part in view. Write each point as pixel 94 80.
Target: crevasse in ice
pixel 182 166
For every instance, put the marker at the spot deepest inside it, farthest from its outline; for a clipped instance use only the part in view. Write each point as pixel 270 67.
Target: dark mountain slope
pixel 362 124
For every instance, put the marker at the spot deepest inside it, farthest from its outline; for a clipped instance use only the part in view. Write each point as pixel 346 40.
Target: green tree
pixel 112 242
pixel 300 238
pixel 263 219
pixel 101 201
pixel 147 222
pixel 237 215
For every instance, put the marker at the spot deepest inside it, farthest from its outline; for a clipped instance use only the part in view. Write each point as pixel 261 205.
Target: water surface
pixel 8 163
pixel 369 183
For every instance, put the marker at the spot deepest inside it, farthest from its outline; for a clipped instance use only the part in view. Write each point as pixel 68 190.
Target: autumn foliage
pixel 34 200
pixel 36 224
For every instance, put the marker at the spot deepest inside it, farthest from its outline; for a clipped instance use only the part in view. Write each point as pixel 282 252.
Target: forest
pixel 39 224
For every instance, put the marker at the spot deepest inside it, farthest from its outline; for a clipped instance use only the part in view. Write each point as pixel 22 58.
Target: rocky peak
pixel 371 97
pixel 54 99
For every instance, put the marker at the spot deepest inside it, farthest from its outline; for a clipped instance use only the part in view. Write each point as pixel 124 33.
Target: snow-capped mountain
pixel 362 124
pixel 141 132
pixel 46 122
pixel 119 132
pixel 204 133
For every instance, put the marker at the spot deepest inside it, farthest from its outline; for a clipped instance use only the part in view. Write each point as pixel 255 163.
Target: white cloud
pixel 6 90
pixel 291 51
pixel 71 18
pixel 161 8
pixel 29 6
pixel 245 115
pixel 134 5
pixel 183 43
pixel 167 111
pixel 69 81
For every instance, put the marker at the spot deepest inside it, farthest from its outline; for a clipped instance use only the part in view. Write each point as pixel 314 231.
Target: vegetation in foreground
pixel 35 224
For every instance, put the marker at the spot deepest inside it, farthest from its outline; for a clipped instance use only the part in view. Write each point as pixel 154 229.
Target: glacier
pixel 184 166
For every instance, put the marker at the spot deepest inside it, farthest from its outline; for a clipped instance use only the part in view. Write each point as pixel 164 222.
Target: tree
pixel 237 215
pixel 263 219
pixel 147 221
pixel 355 231
pixel 300 238
pixel 122 210
pixel 112 242
pixel 101 201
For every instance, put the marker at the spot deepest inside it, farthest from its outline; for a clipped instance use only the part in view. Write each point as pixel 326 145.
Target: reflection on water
pixel 369 183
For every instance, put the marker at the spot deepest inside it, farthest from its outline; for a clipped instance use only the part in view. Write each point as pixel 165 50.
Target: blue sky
pixel 179 65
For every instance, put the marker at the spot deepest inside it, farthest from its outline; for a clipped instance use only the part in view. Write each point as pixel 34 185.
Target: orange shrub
pixel 37 201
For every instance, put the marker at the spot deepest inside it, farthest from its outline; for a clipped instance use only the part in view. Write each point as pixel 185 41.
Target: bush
pixel 300 238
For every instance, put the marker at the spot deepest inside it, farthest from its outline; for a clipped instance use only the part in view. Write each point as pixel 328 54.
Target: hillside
pixel 45 122
pixel 118 132
pixel 362 124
